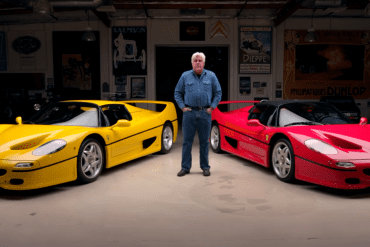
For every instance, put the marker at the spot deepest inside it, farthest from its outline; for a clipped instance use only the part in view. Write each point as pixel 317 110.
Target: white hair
pixel 201 54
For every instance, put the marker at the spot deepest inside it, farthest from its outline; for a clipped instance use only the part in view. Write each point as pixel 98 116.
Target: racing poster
pixel 338 63
pixel 129 50
pixel 255 50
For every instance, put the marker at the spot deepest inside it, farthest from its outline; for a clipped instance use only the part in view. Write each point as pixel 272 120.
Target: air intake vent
pixel 2 172
pixel 192 11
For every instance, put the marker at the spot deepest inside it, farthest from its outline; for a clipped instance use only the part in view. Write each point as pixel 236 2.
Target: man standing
pixel 197 93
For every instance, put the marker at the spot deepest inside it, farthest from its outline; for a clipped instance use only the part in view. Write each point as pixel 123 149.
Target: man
pixel 197 93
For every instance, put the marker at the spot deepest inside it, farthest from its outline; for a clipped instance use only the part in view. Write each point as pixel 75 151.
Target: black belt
pixel 198 108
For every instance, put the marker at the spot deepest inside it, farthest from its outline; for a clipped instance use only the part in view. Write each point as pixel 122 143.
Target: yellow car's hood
pixel 20 139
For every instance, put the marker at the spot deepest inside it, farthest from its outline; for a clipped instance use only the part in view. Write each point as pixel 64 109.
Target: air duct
pixel 93 4
pixel 322 4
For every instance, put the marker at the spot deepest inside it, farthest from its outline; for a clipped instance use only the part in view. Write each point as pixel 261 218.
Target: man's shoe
pixel 206 172
pixel 182 173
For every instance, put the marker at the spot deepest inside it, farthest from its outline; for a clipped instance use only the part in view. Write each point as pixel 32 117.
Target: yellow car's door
pixel 127 142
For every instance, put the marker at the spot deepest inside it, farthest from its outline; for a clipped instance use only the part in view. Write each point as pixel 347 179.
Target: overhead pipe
pixel 28 4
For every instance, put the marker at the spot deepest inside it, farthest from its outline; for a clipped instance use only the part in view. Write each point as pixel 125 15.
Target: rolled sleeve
pixel 179 92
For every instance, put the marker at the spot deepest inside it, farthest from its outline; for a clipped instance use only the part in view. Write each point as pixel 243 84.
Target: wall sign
pixel 219 29
pixel 255 50
pixel 3 62
pixel 26 44
pixel 129 50
pixel 192 31
pixel 338 63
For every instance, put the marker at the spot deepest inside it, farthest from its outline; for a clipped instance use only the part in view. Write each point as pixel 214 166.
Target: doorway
pixel 171 62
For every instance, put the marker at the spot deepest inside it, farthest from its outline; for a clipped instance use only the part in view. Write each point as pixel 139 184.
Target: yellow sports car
pixel 72 140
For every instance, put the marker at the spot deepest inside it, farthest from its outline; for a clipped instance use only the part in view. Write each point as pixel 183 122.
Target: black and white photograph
pixel 138 87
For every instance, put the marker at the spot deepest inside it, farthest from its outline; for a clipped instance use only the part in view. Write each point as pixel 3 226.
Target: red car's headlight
pixel 320 146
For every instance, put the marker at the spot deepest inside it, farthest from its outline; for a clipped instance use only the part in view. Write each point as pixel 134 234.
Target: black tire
pixel 215 139
pixel 166 138
pixel 90 152
pixel 282 160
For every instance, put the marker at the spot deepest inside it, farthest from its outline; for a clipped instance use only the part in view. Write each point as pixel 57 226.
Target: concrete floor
pixel 144 203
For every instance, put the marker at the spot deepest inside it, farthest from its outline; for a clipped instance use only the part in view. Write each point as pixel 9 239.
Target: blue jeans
pixel 192 121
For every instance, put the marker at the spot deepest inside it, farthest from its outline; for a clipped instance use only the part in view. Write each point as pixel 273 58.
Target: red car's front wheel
pixel 283 160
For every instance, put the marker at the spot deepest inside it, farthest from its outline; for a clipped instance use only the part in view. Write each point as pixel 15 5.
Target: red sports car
pixel 309 141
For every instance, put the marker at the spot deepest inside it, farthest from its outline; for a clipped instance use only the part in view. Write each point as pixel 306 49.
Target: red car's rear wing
pixel 238 101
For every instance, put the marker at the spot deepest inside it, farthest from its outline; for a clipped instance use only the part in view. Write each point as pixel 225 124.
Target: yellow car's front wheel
pixel 90 161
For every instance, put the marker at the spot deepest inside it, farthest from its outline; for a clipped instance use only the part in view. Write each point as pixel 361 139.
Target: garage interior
pixel 143 202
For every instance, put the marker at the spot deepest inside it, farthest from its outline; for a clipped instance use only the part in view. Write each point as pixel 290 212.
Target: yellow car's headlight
pixel 50 147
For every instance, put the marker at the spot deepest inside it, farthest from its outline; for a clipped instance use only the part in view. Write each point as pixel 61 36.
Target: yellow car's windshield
pixel 67 114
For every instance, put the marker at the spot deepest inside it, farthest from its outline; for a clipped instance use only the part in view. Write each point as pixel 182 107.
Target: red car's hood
pixel 352 141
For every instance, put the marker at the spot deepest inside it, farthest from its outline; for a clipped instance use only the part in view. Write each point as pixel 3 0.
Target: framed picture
pixel 120 80
pixel 129 49
pixel 138 87
pixel 244 85
pixel 255 50
pixel 256 84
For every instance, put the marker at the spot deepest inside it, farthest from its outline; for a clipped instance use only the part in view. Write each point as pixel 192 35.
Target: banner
pixel 336 64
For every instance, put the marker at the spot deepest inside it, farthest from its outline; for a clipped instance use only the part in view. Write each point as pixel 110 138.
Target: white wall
pixel 166 32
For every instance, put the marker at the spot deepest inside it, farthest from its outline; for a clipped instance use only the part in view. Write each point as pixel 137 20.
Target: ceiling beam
pixel 102 16
pixel 199 6
pixel 290 7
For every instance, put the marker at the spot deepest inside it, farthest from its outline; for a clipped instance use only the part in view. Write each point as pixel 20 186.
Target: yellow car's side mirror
pixel 18 120
pixel 121 123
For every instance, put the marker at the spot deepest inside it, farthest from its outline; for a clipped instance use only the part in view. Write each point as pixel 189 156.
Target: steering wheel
pixel 323 117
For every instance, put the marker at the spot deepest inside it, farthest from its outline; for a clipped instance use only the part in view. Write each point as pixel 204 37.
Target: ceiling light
pixel 42 7
pixel 311 36
pixel 88 35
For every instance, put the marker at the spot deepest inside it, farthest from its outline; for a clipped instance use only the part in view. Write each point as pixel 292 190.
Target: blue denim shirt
pixel 198 92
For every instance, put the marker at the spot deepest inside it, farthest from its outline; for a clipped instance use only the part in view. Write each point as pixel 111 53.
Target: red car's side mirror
pixel 254 123
pixel 363 121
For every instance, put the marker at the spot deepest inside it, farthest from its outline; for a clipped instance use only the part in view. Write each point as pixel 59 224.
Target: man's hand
pixel 209 110
pixel 185 109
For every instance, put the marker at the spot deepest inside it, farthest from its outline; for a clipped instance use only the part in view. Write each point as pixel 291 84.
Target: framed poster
pixel 192 31
pixel 76 71
pixel 129 50
pixel 338 63
pixel 138 87
pixel 3 63
pixel 244 85
pixel 255 50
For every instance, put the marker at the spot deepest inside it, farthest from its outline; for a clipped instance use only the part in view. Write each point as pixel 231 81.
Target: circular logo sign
pixel 26 44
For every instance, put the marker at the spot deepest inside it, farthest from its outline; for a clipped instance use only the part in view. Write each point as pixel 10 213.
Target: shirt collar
pixel 203 72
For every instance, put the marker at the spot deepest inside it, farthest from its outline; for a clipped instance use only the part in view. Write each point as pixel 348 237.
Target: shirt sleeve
pixel 216 91
pixel 179 92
